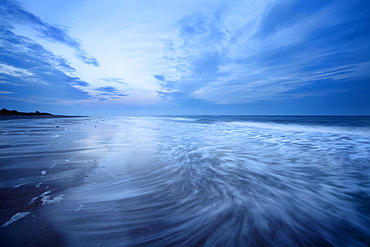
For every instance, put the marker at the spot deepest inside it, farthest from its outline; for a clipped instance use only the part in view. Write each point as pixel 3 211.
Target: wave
pixel 198 181
pixel 306 128
pixel 185 183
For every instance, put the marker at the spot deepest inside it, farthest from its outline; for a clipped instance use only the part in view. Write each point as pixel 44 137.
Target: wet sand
pixel 32 230
pixel 41 157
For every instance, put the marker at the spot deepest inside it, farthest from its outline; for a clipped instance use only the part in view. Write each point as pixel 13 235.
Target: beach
pixel 185 181
pixel 40 158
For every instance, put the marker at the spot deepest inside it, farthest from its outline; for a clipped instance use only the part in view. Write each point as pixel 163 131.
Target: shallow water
pixel 194 181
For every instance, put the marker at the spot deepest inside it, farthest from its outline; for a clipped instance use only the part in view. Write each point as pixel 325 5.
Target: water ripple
pixel 170 182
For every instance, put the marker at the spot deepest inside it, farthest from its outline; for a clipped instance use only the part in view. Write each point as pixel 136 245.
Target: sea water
pixel 191 180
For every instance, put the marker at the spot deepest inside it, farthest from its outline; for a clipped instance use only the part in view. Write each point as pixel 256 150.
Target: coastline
pixel 19 116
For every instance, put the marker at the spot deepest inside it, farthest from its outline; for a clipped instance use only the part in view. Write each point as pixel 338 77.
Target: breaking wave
pixel 224 182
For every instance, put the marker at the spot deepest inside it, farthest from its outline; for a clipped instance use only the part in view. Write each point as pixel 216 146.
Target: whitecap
pixel 79 208
pixel 15 217
pixel 46 200
pixel 19 185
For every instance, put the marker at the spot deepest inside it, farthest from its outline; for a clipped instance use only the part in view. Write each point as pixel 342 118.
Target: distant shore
pixel 7 117
pixel 6 114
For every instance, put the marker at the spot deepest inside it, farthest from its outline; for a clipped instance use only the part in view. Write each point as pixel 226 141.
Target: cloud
pixel 226 57
pixel 12 14
pixel 197 51
pixel 285 13
pixel 114 80
pixel 159 77
pixel 81 54
pixel 110 91
pixel 30 72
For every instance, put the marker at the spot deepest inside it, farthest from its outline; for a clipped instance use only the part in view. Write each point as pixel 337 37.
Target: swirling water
pixel 217 181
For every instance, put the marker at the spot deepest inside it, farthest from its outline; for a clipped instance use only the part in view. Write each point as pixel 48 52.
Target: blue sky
pixel 123 57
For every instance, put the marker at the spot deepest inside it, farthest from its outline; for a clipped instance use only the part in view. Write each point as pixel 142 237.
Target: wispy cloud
pixel 159 77
pixel 225 58
pixel 110 91
pixel 28 70
pixel 31 72
pixel 114 80
pixel 283 14
pixel 185 54
pixel 12 14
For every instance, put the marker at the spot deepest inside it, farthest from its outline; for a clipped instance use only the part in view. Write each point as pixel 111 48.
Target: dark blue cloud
pixel 207 62
pixel 193 25
pixel 297 49
pixel 285 13
pixel 159 77
pixel 197 51
pixel 114 80
pixel 198 26
pixel 107 89
pixel 30 72
pixel 110 91
pixel 341 40
pixel 86 58
pixel 12 13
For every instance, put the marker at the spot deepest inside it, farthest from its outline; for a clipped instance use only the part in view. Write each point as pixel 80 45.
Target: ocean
pixel 185 181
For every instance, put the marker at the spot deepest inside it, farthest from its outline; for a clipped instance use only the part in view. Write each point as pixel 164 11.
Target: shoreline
pixel 19 116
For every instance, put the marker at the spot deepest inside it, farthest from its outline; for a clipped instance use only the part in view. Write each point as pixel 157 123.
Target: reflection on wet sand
pixel 40 160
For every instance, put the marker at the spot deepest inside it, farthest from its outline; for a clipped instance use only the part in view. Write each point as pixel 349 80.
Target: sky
pixel 185 57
